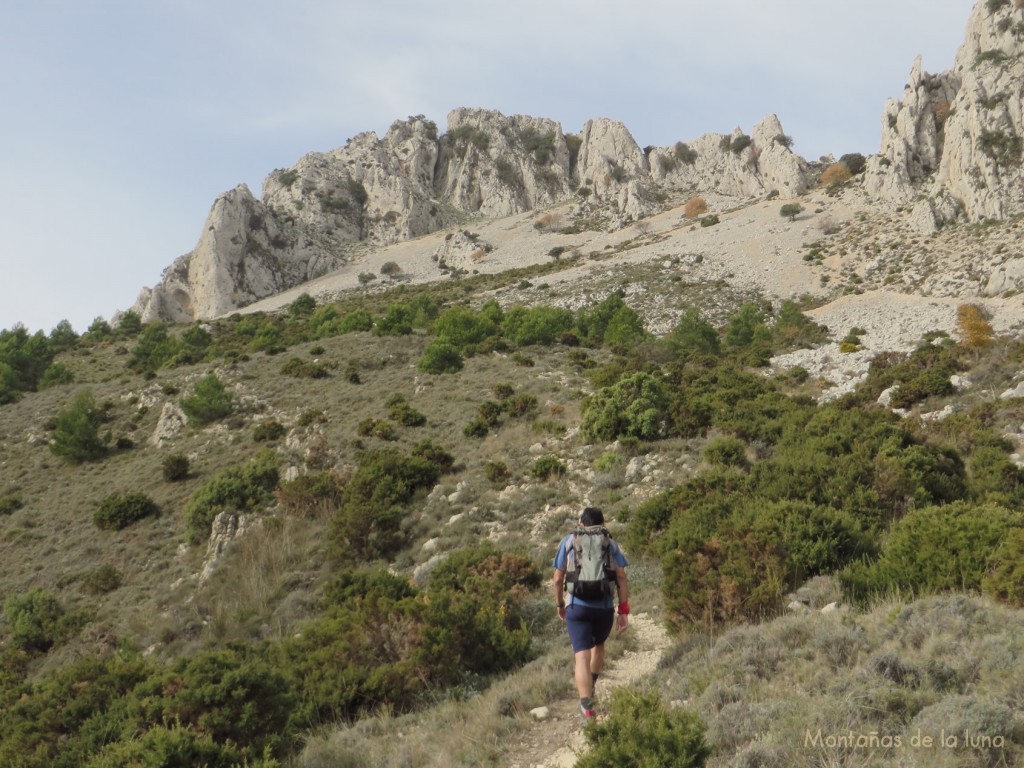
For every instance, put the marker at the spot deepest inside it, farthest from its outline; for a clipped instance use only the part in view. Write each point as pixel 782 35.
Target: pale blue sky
pixel 123 120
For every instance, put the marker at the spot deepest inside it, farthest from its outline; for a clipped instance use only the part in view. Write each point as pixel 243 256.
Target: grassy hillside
pixel 398 524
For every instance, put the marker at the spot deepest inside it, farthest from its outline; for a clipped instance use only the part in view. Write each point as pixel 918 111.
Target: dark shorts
pixel 588 626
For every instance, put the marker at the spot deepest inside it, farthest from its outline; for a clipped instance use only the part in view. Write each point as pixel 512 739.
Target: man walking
pixel 588 562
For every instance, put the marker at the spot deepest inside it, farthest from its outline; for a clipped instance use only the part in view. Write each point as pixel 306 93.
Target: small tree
pixel 791 211
pixel 390 269
pixel 210 401
pixel 975 329
pixel 76 436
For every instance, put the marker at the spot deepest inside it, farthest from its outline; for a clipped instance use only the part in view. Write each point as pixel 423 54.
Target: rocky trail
pixel 556 740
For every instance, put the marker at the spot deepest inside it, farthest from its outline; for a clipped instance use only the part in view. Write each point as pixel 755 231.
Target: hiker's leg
pixel 584 682
pixel 597 659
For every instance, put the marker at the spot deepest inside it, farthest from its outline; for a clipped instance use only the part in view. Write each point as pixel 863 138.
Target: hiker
pixel 588 562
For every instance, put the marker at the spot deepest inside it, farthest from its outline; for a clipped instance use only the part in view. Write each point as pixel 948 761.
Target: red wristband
pixel 624 608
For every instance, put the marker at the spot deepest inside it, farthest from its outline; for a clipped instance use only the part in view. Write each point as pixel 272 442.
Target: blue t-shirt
pixel 560 565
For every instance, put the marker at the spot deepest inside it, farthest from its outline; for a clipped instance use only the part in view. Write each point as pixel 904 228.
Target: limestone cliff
pixel 954 141
pixel 413 181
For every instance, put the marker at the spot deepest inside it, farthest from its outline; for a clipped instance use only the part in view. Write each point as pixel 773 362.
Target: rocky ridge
pixel 313 217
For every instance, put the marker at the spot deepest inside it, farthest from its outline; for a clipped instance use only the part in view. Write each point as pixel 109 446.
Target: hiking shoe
pixel 587 713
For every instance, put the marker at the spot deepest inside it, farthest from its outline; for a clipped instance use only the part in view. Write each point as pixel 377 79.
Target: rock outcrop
pixel 413 182
pixel 958 138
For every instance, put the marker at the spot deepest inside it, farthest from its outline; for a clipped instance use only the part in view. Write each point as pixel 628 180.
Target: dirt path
pixel 556 741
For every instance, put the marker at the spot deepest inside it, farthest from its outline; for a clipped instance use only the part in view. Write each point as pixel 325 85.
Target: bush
pixel 694 336
pixel 397 321
pixel 546 466
pixel 400 410
pixel 236 488
pixel 496 472
pixel 642 730
pixel 367 524
pixel 1004 579
pixel 709 221
pixel 118 511
pixel 10 503
pixel 695 206
pixel 855 162
pixel 313 495
pixel 975 329
pixel 101 580
pixel 175 467
pixel 37 621
pixel 303 306
pixel 76 437
pixel 635 406
pixel 209 402
pixel 476 428
pixel 935 549
pixel 791 211
pixel 304 369
pixel 727 452
pixel 381 428
pixel 439 357
pixel 684 154
pixel 835 175
pixel 536 325
pixel 390 269
pixel 462 326
pixel 269 430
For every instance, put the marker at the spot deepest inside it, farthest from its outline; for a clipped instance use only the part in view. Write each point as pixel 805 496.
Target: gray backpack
pixel 589 569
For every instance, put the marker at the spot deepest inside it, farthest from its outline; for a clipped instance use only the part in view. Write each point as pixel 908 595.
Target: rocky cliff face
pixel 413 181
pixel 956 138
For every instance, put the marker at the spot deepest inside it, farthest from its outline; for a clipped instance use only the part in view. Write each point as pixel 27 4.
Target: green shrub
pixel 540 325
pixel 313 495
pixel 381 428
pixel 476 428
pixel 269 430
pixel 1004 579
pixel 439 357
pixel 635 406
pixel 693 335
pixel 791 211
pixel 684 154
pixel 173 745
pixel 546 466
pixel 400 411
pixel 303 306
pixel 461 326
pixel 10 503
pixel 855 161
pixel 520 406
pixel 241 488
pixel 37 621
pixel 367 524
pixel 155 348
pixel 175 467
pixel 496 472
pixel 118 511
pixel 76 437
pixel 209 402
pixel 304 369
pixel 727 452
pixel 397 321
pixel 101 580
pixel 710 220
pixel 56 374
pixel 934 549
pixel 231 696
pixel 642 730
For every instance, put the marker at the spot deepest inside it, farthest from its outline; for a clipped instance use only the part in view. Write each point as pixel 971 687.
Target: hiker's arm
pixel 622 582
pixel 558 581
